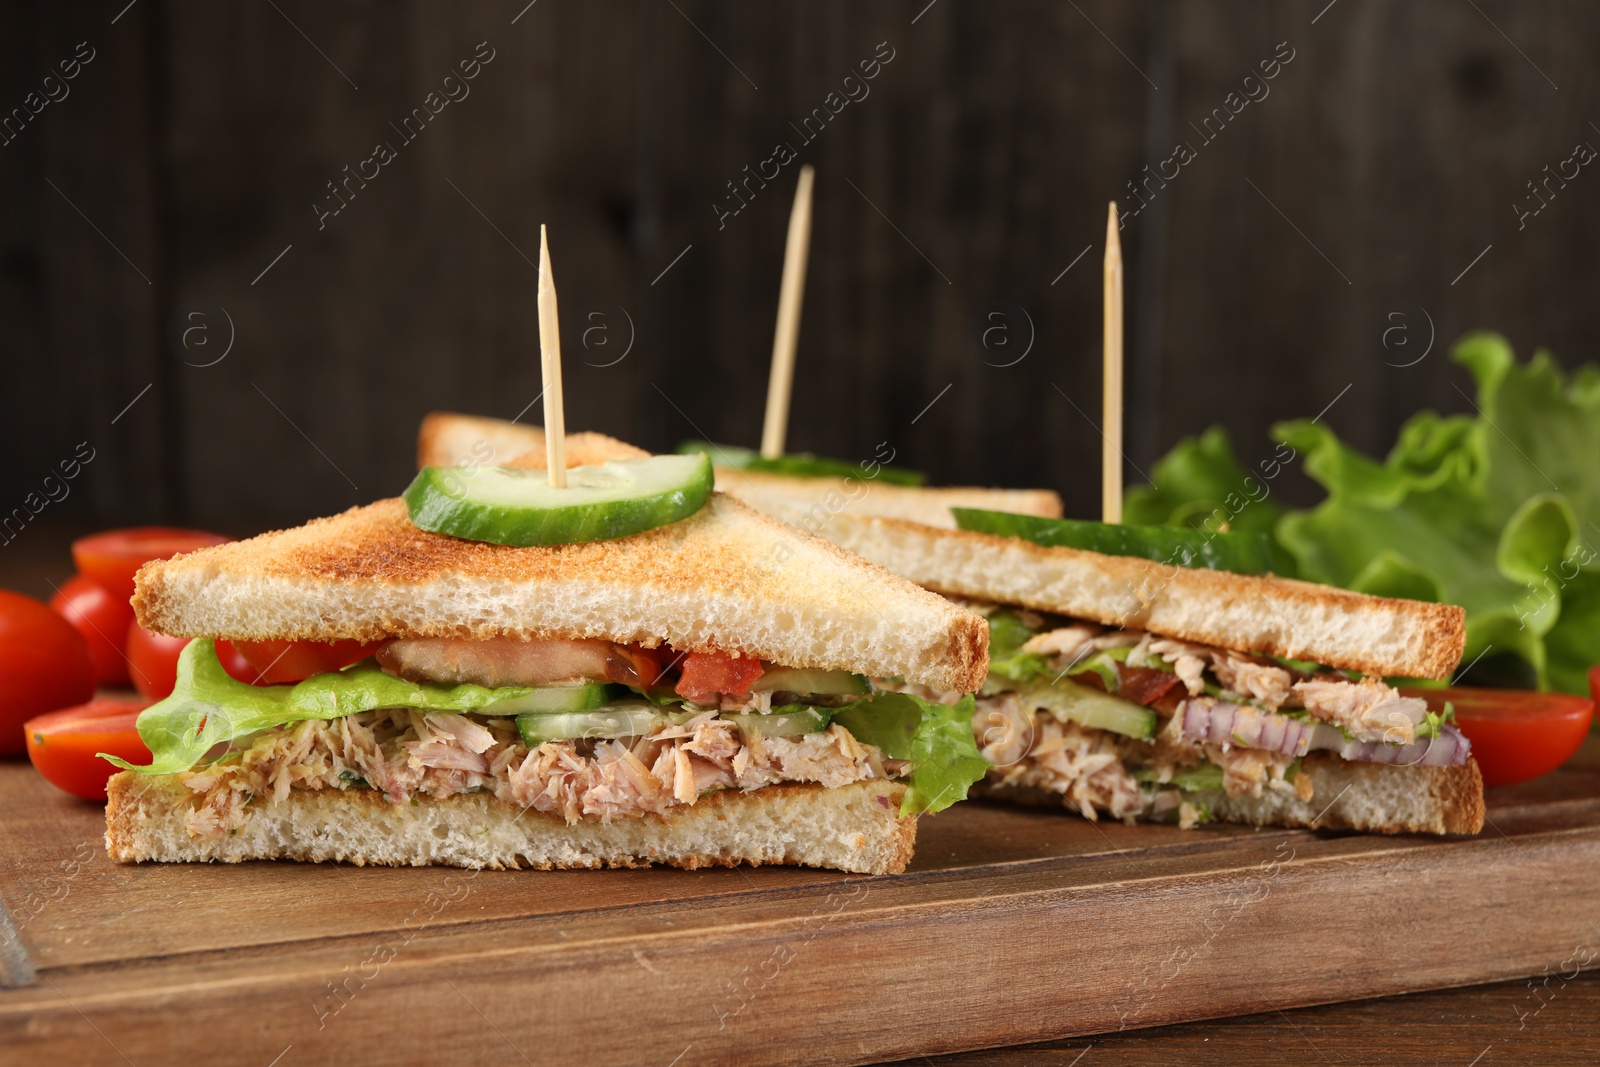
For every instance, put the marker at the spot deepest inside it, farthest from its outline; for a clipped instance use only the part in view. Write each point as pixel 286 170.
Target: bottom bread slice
pixel 1345 795
pixel 856 828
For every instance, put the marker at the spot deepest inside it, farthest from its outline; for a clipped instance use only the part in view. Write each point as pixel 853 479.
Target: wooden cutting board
pixel 1011 926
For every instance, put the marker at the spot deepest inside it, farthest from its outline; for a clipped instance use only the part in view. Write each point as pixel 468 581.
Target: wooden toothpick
pixel 1111 400
pixel 555 423
pixel 776 425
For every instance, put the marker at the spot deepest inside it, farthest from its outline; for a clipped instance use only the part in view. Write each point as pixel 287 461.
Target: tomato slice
pixel 44 665
pixel 706 675
pixel 102 618
pixel 1516 734
pixel 111 558
pixel 62 744
pixel 280 662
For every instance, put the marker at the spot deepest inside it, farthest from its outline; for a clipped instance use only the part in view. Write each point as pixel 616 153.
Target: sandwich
pixel 685 694
pixel 1136 687
pixel 801 489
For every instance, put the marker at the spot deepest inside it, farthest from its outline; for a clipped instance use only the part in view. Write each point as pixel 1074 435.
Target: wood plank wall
pixel 146 211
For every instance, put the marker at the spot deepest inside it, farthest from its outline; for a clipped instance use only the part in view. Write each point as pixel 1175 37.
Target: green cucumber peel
pixel 800 464
pixel 518 507
pixel 1241 553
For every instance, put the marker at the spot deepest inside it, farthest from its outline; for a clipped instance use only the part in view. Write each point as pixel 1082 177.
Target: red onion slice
pixel 1219 722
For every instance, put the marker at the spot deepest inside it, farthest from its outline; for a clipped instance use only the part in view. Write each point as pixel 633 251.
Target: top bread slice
pixel 447 439
pixel 726 578
pixel 794 499
pixel 1248 613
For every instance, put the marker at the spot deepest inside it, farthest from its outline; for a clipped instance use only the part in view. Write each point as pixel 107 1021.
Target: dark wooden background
pixel 191 149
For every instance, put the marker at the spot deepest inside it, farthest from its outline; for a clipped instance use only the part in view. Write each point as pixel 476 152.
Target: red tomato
pixel 44 665
pixel 279 662
pixel 153 661
pixel 1516 734
pixel 102 618
pixel 707 674
pixel 62 744
pixel 111 558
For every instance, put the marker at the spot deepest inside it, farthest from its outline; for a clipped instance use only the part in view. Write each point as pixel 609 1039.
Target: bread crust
pixel 727 578
pixel 809 502
pixel 1250 613
pixel 855 827
pixel 1347 795
pixel 446 439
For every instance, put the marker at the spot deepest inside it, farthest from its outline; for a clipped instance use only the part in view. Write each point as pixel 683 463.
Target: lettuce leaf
pixel 1201 479
pixel 1497 511
pixel 1007 635
pixel 208 707
pixel 936 738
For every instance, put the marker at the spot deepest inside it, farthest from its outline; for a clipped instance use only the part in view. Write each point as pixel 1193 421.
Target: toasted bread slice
pixel 1345 796
pixel 447 439
pixel 726 578
pixel 806 502
pixel 1249 613
pixel 854 828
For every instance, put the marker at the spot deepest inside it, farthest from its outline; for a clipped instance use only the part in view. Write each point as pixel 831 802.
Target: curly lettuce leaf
pixel 1496 512
pixel 208 707
pixel 1200 481
pixel 936 738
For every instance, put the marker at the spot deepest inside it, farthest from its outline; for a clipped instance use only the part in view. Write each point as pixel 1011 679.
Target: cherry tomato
pixel 111 558
pixel 1516 734
pixel 279 662
pixel 62 744
pixel 102 618
pixel 706 674
pixel 153 661
pixel 44 665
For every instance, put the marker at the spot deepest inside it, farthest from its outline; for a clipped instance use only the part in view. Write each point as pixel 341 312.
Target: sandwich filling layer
pixel 580 729
pixel 1142 726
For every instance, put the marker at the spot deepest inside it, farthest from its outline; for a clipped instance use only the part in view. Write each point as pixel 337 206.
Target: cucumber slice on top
pixel 623 719
pixel 512 506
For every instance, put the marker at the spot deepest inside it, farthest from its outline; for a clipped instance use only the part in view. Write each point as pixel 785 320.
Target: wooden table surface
pixel 1553 1019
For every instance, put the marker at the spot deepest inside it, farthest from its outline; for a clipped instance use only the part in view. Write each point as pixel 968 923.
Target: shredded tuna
pixel 1368 710
pixel 1065 641
pixel 404 754
pixel 1267 683
pixel 1083 765
pixel 1189 661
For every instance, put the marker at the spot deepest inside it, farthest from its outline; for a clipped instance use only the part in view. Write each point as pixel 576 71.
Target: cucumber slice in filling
pixel 789 721
pixel 819 683
pixel 511 506
pixel 552 698
pixel 1090 707
pixel 630 719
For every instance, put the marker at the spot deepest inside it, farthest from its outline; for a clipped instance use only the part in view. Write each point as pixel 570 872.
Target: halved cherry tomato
pixel 1516 734
pixel 707 674
pixel 62 744
pixel 102 618
pixel 44 665
pixel 112 558
pixel 153 661
pixel 279 662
